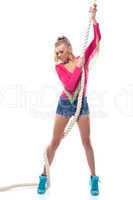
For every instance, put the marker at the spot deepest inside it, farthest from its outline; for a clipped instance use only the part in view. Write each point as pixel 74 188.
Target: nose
pixel 59 56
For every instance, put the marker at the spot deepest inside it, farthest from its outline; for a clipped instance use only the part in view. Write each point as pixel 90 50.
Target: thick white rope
pixel 70 124
pixel 79 102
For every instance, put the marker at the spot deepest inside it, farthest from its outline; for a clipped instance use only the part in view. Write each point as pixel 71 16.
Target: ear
pixel 55 57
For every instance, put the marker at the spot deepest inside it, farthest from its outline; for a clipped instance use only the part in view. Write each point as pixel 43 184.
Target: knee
pixel 87 144
pixel 55 143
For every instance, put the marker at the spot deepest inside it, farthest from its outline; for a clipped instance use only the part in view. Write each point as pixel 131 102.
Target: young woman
pixel 68 68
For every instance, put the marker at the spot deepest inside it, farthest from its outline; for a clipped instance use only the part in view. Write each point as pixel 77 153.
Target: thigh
pixel 84 127
pixel 59 126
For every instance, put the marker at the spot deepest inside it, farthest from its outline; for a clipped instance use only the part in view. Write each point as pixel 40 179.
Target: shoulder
pixel 58 67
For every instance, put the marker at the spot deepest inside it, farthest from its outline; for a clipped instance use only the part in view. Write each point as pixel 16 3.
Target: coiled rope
pixel 70 124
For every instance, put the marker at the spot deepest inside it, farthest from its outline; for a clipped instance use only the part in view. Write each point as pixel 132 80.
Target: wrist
pixel 94 21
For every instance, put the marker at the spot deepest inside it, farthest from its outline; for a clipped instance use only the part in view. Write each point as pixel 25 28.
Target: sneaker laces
pixel 42 183
pixel 99 180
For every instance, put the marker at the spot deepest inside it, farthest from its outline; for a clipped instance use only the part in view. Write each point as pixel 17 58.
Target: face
pixel 62 52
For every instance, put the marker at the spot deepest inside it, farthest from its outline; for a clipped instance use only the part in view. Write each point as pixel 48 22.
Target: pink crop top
pixel 69 79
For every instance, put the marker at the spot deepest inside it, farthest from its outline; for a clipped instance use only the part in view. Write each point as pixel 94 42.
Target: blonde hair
pixel 64 40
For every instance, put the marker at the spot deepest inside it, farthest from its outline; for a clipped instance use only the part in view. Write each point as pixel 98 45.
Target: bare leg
pixel 59 127
pixel 84 127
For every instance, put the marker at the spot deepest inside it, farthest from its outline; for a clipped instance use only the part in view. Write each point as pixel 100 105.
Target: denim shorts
pixel 67 109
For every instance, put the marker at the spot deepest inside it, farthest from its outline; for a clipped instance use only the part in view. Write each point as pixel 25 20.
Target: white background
pixel 30 88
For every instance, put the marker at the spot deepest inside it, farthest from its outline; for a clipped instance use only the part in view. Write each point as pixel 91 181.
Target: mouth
pixel 61 58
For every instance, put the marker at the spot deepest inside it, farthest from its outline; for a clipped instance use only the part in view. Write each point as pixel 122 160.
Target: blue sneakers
pixel 94 185
pixel 42 184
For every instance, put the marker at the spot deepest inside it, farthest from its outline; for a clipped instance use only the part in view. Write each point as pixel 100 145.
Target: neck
pixel 68 60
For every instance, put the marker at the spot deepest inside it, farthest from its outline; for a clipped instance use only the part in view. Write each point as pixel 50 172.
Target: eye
pixel 59 52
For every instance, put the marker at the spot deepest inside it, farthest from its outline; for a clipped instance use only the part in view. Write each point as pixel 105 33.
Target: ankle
pixel 93 175
pixel 43 174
